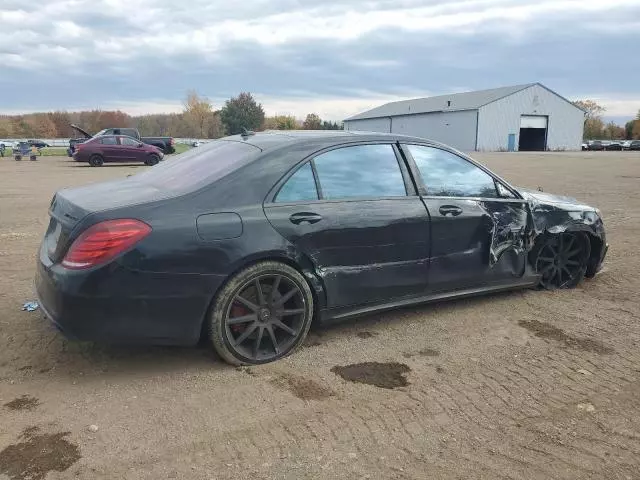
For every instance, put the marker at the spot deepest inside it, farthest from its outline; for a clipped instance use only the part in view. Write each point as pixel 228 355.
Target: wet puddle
pixel 365 335
pixel 303 388
pixel 383 375
pixel 425 352
pixel 25 402
pixel 38 455
pixel 548 331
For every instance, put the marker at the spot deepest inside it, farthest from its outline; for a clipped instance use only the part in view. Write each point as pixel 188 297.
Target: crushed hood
pixel 557 201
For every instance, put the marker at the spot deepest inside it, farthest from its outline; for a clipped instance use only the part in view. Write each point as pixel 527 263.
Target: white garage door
pixel 533 121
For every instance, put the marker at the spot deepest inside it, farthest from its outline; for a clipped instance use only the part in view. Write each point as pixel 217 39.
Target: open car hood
pixel 83 132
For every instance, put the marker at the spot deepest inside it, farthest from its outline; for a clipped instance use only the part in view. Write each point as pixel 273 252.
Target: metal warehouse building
pixel 522 117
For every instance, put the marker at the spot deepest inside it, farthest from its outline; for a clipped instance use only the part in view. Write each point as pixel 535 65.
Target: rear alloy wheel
pixel 152 160
pixel 96 161
pixel 262 314
pixel 562 260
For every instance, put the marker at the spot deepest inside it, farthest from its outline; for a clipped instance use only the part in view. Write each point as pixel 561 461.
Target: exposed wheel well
pixel 306 271
pixel 595 245
pixel 596 250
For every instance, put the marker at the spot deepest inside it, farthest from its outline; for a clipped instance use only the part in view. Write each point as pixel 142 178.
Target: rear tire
pixel 152 160
pixel 262 314
pixel 561 259
pixel 96 161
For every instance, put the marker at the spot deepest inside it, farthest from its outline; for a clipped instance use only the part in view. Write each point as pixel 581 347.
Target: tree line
pixel 596 129
pixel 199 119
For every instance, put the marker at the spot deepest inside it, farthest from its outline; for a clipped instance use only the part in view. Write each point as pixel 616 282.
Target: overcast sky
pixel 334 57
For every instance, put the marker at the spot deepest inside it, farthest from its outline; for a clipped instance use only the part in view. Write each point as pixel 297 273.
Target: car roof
pixel 271 139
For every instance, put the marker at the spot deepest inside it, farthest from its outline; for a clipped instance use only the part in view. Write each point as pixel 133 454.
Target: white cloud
pixel 299 52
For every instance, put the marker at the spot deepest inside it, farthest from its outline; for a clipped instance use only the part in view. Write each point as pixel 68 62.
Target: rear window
pixel 199 166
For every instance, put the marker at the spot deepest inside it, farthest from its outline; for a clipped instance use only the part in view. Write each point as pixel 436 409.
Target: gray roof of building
pixel 459 101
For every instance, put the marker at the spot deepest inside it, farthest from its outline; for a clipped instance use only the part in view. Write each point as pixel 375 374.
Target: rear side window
pixel 360 171
pixel 448 175
pixel 301 186
pixel 108 141
pixel 199 166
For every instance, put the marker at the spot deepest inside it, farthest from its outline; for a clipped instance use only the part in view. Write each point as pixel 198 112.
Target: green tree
pixel 280 122
pixel 593 124
pixel 612 131
pixel 312 122
pixel 628 129
pixel 242 112
pixel 593 128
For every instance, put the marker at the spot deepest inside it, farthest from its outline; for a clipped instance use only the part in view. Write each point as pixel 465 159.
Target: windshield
pixel 199 166
pixel 101 132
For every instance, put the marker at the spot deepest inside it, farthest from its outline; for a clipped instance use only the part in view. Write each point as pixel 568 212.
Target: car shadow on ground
pixel 59 356
pixel 105 165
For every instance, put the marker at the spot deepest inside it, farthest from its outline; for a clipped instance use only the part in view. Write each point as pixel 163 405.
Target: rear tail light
pixel 103 242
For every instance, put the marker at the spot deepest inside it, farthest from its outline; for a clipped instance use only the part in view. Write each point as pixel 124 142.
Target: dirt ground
pixel 521 385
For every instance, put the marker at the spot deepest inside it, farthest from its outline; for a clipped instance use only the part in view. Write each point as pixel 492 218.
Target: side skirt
pixel 335 315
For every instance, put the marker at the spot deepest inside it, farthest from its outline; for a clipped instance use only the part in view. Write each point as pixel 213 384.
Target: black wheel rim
pixel 265 317
pixel 561 260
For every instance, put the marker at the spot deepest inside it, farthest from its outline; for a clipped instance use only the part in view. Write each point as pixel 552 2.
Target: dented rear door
pixel 365 229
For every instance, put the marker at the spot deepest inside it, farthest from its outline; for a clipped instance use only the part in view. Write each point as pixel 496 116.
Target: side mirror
pixel 140 145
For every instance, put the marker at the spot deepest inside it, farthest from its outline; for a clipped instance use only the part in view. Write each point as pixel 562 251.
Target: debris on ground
pixel 30 306
pixel 586 407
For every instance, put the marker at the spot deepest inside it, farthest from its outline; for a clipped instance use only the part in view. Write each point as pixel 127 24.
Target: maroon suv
pixel 116 148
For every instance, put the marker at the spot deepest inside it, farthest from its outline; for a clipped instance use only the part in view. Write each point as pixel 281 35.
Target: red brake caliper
pixel 238 311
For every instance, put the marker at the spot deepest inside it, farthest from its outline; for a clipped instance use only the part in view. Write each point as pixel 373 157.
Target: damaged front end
pixel 555 214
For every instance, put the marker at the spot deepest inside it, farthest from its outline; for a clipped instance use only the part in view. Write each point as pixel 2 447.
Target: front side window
pixel 301 186
pixel 129 142
pixel 360 171
pixel 108 141
pixel 448 175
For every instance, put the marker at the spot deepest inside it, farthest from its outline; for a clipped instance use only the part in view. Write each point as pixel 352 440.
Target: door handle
pixel 305 217
pixel 450 210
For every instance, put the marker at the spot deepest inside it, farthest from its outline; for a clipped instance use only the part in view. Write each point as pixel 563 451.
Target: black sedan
pixel 596 145
pixel 614 146
pixel 38 144
pixel 249 239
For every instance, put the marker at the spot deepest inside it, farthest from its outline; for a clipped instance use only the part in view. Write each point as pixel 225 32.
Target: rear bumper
pixel 115 305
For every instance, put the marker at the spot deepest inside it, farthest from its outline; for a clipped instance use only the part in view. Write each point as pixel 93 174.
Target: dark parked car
pixel 164 144
pixel 38 144
pixel 248 239
pixel 633 145
pixel 616 146
pixel 116 148
pixel 596 145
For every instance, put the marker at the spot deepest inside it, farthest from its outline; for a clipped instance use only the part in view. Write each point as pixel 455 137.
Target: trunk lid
pixel 69 207
pixel 84 133
pixel 64 216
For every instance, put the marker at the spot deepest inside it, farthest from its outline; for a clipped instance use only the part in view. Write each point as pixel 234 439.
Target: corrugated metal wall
pixel 457 129
pixel 498 119
pixel 369 125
